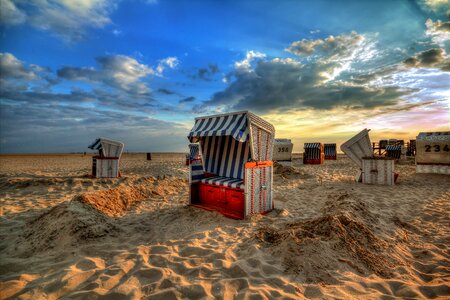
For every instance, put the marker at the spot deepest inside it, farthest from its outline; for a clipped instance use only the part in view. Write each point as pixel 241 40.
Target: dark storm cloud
pixel 286 84
pixel 429 58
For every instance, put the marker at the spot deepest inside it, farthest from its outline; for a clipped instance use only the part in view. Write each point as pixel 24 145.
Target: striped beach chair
pixel 233 174
pixel 394 151
pixel 330 151
pixel 106 162
pixel 313 154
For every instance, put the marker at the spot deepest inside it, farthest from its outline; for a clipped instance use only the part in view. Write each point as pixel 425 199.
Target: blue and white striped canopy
pixel 235 125
pixel 393 148
pixel 311 145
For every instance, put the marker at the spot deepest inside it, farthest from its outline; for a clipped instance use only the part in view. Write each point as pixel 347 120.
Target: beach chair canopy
pixel 236 125
pixel 107 147
pixel 228 141
pixel 358 147
pixel 312 145
pixel 394 148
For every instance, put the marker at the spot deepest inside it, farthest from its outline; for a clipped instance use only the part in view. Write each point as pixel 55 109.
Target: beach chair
pixel 233 172
pixel 433 152
pixel 313 154
pixel 330 151
pixel 282 151
pixel 394 151
pixel 106 162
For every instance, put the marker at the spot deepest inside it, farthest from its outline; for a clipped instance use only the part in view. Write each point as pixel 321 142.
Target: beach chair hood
pixel 236 125
pixel 358 147
pixel 107 147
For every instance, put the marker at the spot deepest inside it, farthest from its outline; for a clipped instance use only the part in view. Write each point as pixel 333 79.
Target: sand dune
pixel 65 235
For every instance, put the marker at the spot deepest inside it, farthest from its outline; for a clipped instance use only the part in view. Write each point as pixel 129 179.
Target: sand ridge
pixel 331 237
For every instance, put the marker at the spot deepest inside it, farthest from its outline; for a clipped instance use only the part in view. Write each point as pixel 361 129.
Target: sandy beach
pixel 66 235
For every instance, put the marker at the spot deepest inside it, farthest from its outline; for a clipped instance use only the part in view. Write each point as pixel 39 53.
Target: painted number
pixel 437 148
pixel 283 149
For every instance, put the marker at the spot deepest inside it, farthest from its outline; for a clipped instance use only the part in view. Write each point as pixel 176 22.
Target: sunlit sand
pixel 327 237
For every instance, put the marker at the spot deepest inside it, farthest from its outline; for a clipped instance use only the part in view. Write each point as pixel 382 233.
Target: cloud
pixel 10 14
pixel 170 62
pixel 117 32
pixel 45 127
pixel 187 99
pixel 11 67
pixel 339 52
pixel 432 58
pixel 438 31
pixel 17 75
pixel 245 64
pixel 166 91
pixel 66 19
pixel 206 73
pixel 439 7
pixel 287 84
pixel 341 45
pixel 118 71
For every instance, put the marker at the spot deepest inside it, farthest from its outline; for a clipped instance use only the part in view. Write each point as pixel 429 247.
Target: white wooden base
pixel 378 171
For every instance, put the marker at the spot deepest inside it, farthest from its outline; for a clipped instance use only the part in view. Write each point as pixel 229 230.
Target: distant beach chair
pixel 394 151
pixel 106 162
pixel 282 151
pixel 313 154
pixel 231 172
pixel 433 152
pixel 330 151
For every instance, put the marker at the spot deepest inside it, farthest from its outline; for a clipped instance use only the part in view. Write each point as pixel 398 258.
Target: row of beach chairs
pixel 231 161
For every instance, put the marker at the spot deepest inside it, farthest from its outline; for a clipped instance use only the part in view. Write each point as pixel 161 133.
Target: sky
pixel 140 71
